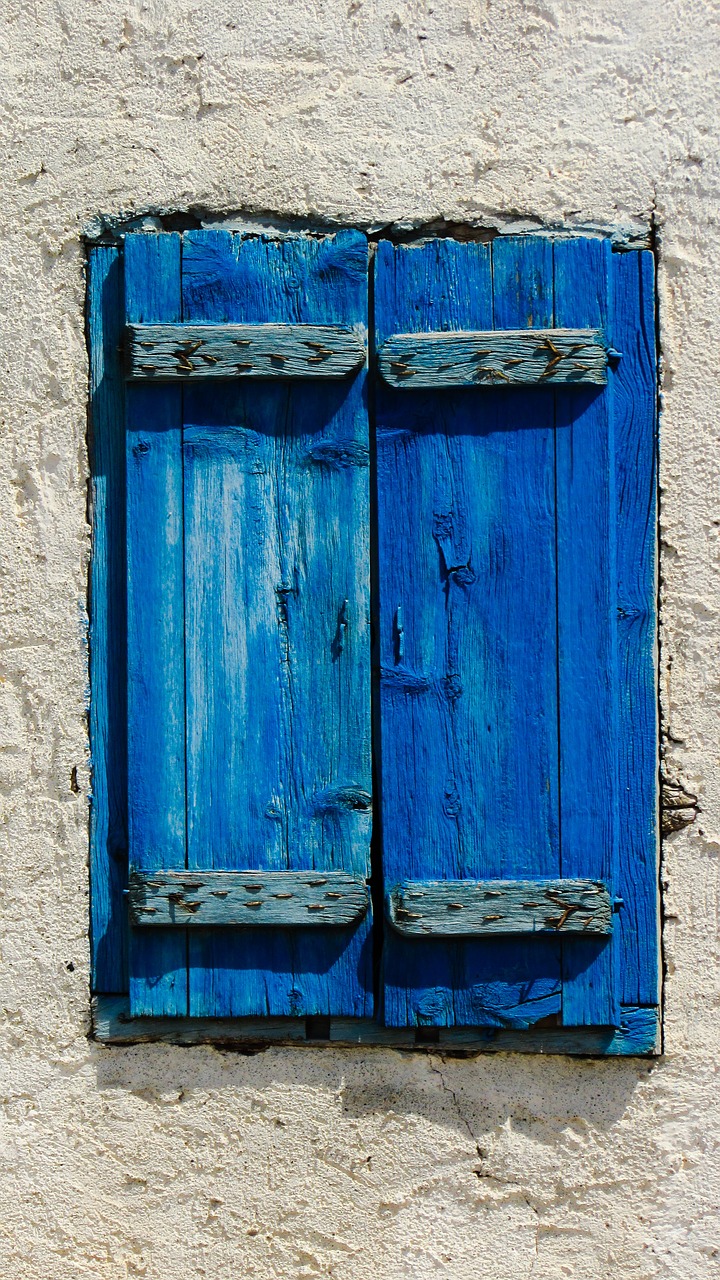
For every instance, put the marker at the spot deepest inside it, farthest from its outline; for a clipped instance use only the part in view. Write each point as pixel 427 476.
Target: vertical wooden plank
pixel 634 410
pixel 108 707
pixel 517 616
pixel 587 632
pixel 467 634
pixel 278 653
pixel 156 679
pixel 439 285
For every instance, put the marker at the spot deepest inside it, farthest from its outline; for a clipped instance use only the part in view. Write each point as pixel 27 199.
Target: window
pixel 404 546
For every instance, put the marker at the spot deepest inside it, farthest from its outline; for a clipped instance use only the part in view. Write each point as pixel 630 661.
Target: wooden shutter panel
pixel 272 722
pixel 501 694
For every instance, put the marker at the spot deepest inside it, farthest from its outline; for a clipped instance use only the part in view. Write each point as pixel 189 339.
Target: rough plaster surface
pixel 162 1162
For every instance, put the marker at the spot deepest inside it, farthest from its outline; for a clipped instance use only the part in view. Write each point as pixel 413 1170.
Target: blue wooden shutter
pixel 248 631
pixel 517 726
pixel 516 630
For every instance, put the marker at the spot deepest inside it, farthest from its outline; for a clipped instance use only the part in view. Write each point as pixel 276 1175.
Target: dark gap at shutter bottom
pixel 317 1027
pixel 427 1035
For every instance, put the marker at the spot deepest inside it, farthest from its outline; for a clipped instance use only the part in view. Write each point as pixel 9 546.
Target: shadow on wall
pixel 467 1095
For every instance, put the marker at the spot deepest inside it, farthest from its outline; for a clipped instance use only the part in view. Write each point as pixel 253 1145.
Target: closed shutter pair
pixel 482 499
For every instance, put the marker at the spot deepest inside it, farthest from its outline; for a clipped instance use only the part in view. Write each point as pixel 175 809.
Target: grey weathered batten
pixel 287 899
pixel 474 908
pixel 510 357
pixel 168 352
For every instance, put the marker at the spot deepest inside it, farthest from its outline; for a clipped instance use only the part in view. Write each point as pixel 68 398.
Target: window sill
pixel 637 1036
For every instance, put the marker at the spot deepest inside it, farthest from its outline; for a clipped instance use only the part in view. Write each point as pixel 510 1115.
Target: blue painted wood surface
pixel 466 538
pixel 160 352
pixel 278 657
pixel 155 611
pixel 488 358
pixel 637 1034
pixel 634 410
pixel 587 631
pixel 108 707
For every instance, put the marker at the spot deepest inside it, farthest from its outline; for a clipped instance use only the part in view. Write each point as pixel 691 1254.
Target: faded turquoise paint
pixel 481 908
pixel 183 352
pixel 513 357
pixel 247 899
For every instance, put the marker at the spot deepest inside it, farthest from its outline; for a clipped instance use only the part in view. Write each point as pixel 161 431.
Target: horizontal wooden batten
pixel 171 352
pixel 495 357
pixel 476 908
pixel 286 899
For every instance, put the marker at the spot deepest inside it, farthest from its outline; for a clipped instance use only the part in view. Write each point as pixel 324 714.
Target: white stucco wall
pixel 164 1162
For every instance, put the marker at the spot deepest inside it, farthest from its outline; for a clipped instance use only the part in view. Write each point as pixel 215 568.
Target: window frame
pixel 640 1029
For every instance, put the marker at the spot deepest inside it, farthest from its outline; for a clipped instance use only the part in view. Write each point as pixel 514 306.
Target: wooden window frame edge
pixel 639 1034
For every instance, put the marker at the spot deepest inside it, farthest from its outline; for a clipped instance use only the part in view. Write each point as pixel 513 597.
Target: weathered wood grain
pixel 635 423
pixel 587 631
pixel 108 705
pixel 467 627
pixel 277 565
pixel 488 358
pixel 637 1034
pixel 249 899
pixel 155 626
pixel 168 352
pixel 475 908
